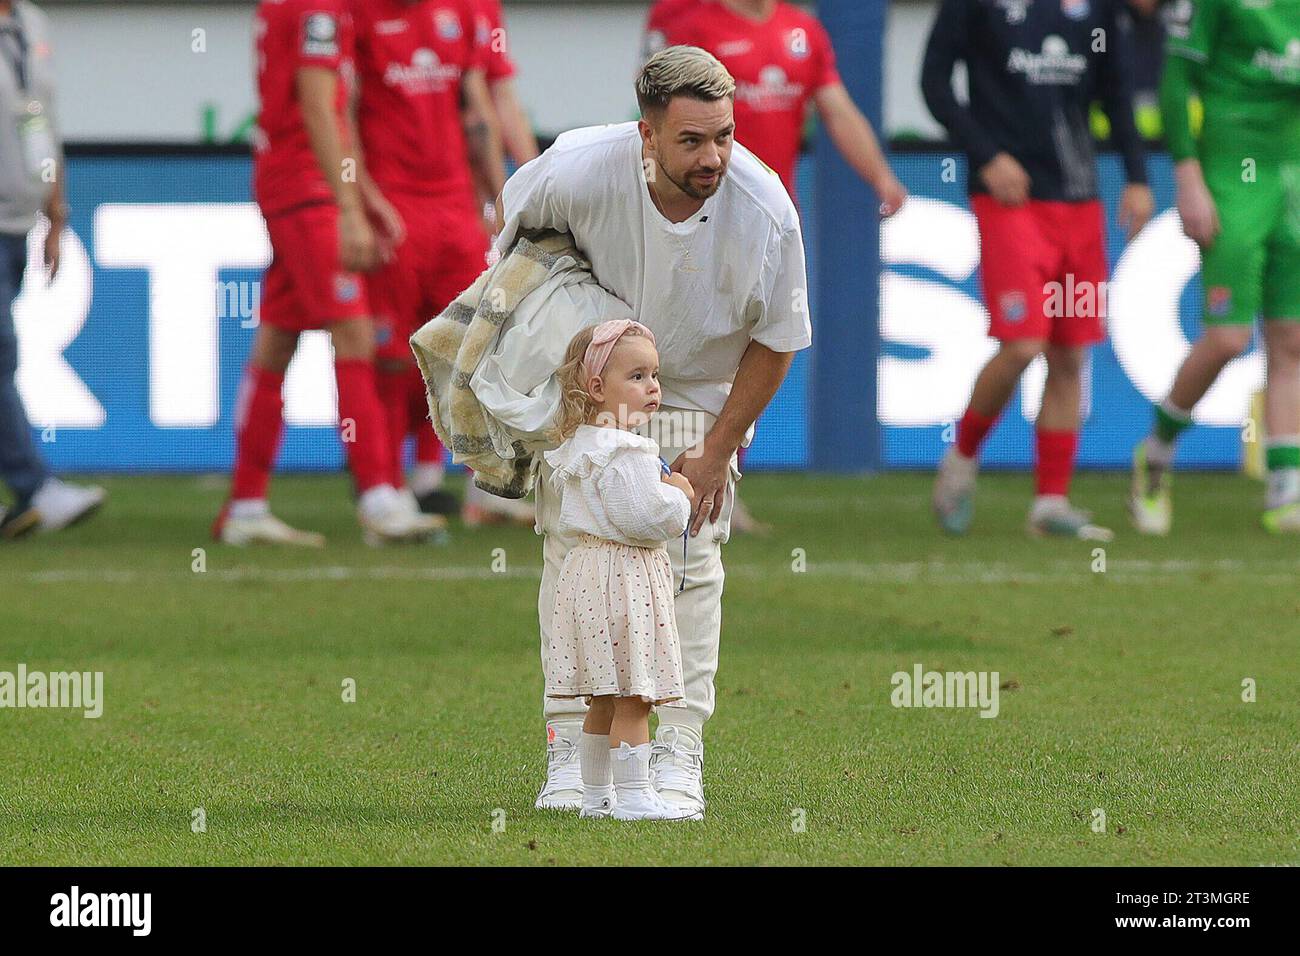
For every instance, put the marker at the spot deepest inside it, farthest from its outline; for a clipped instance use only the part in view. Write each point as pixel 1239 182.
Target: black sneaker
pixel 440 501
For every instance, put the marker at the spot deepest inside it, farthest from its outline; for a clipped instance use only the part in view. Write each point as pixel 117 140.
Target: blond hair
pixel 577 407
pixel 682 71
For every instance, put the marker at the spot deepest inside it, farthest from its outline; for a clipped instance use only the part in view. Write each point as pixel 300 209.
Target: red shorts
pixel 304 286
pixel 444 251
pixel 1043 270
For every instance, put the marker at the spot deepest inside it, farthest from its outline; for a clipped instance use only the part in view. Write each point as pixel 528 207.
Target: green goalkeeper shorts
pixel 1253 267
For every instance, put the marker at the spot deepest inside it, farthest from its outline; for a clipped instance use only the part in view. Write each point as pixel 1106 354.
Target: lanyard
pixel 667 470
pixel 15 51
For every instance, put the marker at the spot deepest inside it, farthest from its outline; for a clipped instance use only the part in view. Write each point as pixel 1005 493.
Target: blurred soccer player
pixel 428 129
pixel 1034 70
pixel 1239 199
pixel 27 143
pixel 782 61
pixel 320 240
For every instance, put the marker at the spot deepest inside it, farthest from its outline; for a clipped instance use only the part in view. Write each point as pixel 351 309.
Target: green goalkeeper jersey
pixel 1243 58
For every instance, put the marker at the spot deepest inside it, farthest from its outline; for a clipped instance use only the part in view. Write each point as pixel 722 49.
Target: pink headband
pixel 603 340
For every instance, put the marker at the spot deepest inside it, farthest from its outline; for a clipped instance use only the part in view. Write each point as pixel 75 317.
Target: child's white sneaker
pixel 598 802
pixel 636 799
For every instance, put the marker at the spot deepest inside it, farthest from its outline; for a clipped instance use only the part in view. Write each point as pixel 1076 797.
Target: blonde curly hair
pixel 577 407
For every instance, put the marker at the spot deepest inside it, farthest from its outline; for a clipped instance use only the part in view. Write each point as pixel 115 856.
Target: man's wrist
pixel 718 442
pixel 57 213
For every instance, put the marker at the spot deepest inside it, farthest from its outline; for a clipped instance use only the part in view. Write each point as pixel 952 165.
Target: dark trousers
pixel 21 466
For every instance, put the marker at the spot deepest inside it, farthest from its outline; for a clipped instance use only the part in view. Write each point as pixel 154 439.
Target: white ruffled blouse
pixel 612 488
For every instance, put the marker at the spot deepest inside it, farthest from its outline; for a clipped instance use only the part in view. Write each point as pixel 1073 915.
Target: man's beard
pixel 691 190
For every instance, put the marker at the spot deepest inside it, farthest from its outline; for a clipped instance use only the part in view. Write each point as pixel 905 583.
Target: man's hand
pixel 1006 180
pixel 892 194
pixel 708 469
pixel 357 249
pixel 1196 206
pixel 1135 208
pixel 52 250
pixel 387 222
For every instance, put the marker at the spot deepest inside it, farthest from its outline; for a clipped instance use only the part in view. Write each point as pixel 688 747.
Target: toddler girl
pixel 613 636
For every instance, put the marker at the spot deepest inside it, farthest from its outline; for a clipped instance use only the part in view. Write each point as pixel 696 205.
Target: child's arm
pixel 638 503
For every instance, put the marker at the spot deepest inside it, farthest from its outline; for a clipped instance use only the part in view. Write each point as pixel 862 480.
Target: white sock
pixel 593 757
pixel 1283 487
pixel 631 770
pixel 426 477
pixel 242 508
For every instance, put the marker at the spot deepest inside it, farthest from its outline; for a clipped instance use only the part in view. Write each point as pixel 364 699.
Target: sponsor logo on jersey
pixel 387 28
pixel 733 48
pixel 425 73
pixel 1285 67
pixel 447 25
pixel 1012 305
pixel 320 35
pixel 346 287
pixel 1218 300
pixel 1054 66
pixel 774 92
pixel 1075 9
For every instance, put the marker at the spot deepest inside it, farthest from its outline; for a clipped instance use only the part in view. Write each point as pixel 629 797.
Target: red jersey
pixel 489 23
pixel 410 60
pixel 662 16
pixel 778 65
pixel 290 35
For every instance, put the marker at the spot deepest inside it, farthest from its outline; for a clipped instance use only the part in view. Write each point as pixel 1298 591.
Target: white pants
pixel 698 608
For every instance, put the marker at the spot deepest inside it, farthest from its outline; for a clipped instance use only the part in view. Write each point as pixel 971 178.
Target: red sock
pixel 361 422
pixel 259 422
pixel 971 431
pixel 394 391
pixel 428 450
pixel 1055 460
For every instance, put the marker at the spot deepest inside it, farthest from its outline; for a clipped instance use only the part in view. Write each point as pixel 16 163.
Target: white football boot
pixel 247 524
pixel 637 799
pixel 61 505
pixel 563 787
pixel 1150 503
pixel 954 491
pixel 386 517
pixel 1052 516
pixel 677 770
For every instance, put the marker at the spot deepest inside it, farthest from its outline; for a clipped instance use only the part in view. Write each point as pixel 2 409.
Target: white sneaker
pixel 262 527
pixel 599 802
pixel 563 787
pixel 677 770
pixel 953 499
pixel 60 504
pixel 387 517
pixel 642 803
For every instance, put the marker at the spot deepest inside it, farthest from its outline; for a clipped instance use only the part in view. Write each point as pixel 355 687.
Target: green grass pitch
pixel 224 689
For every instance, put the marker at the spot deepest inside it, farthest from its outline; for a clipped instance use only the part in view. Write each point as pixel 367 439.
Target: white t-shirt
pixel 732 272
